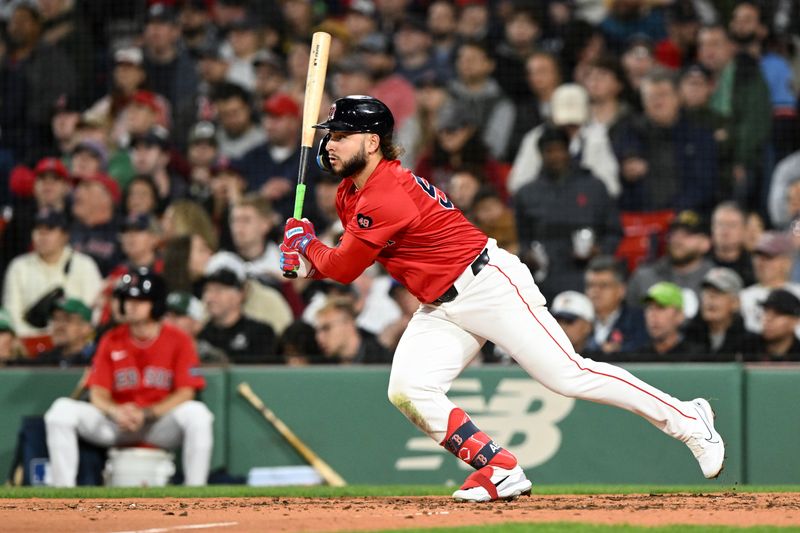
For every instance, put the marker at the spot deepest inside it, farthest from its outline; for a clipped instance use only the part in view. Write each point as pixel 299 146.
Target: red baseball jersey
pixel 427 242
pixel 145 373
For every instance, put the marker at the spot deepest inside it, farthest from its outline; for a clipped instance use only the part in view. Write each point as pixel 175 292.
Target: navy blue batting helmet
pixel 143 284
pixel 359 114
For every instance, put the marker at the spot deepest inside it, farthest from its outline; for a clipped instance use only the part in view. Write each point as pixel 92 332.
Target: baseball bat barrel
pixel 330 475
pixel 315 87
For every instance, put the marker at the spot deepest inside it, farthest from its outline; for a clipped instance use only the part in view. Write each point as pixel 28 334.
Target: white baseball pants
pixel 189 423
pixel 504 305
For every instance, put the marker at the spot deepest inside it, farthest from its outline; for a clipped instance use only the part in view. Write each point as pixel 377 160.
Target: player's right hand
pixel 298 233
pixel 290 259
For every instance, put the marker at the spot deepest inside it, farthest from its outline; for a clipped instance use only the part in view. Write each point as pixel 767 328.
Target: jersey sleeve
pixel 345 262
pixel 187 364
pixel 381 216
pixel 101 374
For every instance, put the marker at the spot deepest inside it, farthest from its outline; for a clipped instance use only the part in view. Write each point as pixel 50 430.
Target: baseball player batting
pixel 471 291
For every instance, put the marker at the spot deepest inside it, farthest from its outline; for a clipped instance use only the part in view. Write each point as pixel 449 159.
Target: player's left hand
pixel 298 233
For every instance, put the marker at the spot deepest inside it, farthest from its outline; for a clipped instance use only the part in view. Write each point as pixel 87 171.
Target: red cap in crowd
pixel 21 180
pixel 110 185
pixel 53 165
pixel 281 104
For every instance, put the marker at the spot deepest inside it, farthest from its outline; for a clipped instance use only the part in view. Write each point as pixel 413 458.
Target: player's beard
pixel 354 165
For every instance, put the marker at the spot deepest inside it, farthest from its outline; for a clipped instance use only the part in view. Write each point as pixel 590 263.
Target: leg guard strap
pixel 486 455
pixel 479 479
pixel 457 439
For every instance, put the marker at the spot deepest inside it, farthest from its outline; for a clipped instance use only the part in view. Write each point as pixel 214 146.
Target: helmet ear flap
pixel 323 161
pixel 120 292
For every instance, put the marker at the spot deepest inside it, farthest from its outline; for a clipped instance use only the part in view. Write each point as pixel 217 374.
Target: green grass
pixel 559 527
pixel 241 491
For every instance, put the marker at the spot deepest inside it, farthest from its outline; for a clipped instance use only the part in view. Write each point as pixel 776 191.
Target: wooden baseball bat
pixel 315 86
pixel 330 475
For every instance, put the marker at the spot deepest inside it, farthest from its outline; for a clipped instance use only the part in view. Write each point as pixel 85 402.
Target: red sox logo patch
pixel 363 221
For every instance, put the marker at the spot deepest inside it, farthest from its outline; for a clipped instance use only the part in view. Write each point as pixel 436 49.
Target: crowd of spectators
pixel 642 157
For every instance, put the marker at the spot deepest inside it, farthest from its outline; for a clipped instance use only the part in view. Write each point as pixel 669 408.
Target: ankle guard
pixel 471 445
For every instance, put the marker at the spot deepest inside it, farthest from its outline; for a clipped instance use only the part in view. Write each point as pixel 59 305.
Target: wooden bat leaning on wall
pixel 330 475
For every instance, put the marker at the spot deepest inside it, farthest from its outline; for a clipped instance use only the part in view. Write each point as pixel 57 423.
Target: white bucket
pixel 138 467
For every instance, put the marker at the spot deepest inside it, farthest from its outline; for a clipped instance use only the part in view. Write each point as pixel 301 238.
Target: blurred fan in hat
pixel 170 68
pixel 52 263
pixel 575 314
pixel 719 327
pixel 685 263
pixel 778 341
pixel 95 226
pixel 663 315
pixel 772 262
pixel 244 340
pixel 150 156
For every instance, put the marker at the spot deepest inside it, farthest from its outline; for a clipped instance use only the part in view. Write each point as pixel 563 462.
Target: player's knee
pixel 398 391
pixel 196 414
pixel 403 394
pixel 61 412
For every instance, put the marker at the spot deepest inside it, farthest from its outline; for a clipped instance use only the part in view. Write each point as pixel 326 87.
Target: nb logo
pixel 503 411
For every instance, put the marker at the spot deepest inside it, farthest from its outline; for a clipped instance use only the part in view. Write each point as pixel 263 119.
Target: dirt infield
pixel 349 514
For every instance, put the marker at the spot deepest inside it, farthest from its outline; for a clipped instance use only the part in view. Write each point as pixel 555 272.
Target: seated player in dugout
pixel 470 291
pixel 142 389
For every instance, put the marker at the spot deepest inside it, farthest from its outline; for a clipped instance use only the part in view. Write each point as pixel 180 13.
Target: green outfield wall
pixel 29 392
pixel 343 414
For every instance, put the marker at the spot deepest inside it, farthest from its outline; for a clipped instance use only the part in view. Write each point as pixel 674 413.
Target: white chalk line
pixel 178 528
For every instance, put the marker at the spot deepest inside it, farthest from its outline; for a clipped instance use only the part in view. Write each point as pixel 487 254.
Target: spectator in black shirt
pixel 244 340
pixel 170 70
pixel 618 327
pixel 718 327
pixel 95 226
pixel 568 213
pixel 666 162
pixel 150 156
pixel 342 341
pixel 663 316
pixel 728 232
pixel 32 76
pixel 521 31
pixel 777 342
pixel 269 168
pixel 188 313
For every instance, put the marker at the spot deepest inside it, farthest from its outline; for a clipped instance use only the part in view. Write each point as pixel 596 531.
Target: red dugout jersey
pixel 145 373
pixel 426 241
